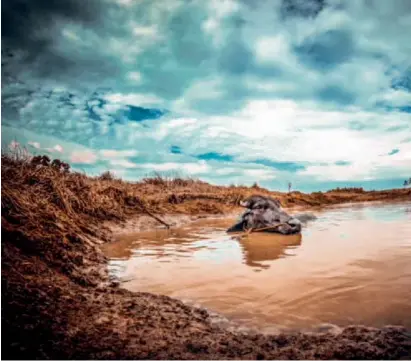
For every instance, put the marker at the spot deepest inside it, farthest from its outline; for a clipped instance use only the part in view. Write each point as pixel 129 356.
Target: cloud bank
pixel 231 91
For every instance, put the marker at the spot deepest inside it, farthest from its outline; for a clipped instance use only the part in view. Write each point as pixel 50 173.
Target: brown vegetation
pixel 56 298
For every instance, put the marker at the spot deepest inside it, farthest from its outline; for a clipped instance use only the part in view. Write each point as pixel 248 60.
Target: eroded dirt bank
pixel 57 301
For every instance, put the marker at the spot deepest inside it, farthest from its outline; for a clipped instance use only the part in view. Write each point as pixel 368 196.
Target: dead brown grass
pixel 33 190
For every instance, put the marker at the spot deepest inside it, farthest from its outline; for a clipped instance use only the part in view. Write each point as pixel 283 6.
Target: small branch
pixel 155 217
pixel 251 230
pixel 267 228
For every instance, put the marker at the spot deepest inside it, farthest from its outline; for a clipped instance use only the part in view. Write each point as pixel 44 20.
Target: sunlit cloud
pixel 230 91
pixel 83 157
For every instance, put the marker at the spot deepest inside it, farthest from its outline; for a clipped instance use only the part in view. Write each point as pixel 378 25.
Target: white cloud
pixel 125 2
pixel 210 25
pixel 260 174
pixel 218 10
pixel 34 144
pixel 120 173
pixel 111 153
pixel 338 173
pixel 196 168
pixel 134 99
pixel 135 76
pixel 70 34
pixel 124 163
pixel 396 98
pixel 285 131
pixel 109 108
pixel 365 169
pixel 83 157
pixel 221 8
pixel 226 171
pixel 188 168
pixel 58 148
pixel 149 31
pixel 273 49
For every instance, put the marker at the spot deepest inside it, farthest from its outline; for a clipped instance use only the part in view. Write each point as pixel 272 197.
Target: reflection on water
pixel 352 265
pixel 260 247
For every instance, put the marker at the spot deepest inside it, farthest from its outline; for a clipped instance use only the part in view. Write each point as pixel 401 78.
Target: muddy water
pixel 351 266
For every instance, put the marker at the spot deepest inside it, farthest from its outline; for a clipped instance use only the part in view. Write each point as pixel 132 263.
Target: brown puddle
pixel 350 266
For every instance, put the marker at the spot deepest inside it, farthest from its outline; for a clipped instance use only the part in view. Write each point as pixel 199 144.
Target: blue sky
pixel 316 92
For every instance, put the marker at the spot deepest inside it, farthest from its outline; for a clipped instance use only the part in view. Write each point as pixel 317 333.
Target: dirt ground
pixel 58 303
pixel 46 315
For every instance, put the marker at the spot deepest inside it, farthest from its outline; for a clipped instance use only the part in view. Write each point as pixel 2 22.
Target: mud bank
pixel 49 315
pixel 142 223
pixel 57 301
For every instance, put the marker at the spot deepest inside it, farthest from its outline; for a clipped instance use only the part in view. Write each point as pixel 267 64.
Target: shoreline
pixel 58 301
pixel 145 223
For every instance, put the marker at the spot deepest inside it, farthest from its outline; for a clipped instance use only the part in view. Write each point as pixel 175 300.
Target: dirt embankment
pixel 57 301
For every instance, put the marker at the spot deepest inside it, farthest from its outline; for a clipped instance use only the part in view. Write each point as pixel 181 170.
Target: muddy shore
pixel 58 303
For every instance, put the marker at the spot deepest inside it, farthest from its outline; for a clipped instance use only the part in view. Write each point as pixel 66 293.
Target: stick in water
pixel 267 228
pixel 250 230
pixel 155 217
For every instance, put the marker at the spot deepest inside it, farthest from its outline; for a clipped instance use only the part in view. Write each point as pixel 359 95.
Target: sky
pixel 312 92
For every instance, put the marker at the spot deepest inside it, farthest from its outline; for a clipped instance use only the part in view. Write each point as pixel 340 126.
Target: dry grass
pixel 34 190
pixel 348 190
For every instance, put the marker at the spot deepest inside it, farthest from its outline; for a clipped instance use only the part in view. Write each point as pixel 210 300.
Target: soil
pixel 142 223
pixel 58 302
